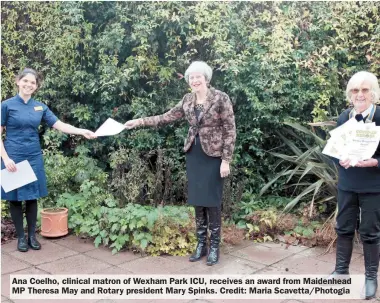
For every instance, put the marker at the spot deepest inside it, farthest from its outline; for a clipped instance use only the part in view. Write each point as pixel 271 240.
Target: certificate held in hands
pixel 353 140
pixel 109 128
pixel 12 180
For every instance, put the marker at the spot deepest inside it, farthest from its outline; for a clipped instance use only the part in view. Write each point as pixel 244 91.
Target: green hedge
pixel 277 61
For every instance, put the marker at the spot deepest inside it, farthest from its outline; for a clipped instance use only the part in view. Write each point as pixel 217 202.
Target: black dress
pixel 205 185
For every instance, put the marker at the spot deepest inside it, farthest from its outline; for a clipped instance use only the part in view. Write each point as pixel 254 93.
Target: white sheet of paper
pixel 354 141
pixel 344 128
pixel 334 148
pixel 110 128
pixel 365 141
pixel 12 180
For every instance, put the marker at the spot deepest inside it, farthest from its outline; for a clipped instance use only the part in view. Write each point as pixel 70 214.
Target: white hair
pixel 199 67
pixel 358 78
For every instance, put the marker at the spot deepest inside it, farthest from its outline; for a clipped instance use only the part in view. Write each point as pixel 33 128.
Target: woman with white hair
pixel 209 147
pixel 359 187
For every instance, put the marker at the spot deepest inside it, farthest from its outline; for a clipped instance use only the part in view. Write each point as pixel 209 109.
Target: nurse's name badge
pixel 38 108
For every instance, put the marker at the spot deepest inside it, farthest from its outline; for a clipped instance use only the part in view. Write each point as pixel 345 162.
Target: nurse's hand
pixel 10 165
pixel 88 134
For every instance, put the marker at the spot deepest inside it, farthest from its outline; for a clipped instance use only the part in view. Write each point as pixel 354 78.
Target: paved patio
pixel 72 255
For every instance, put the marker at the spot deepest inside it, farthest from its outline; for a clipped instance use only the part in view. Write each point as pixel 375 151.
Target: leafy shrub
pixel 251 203
pixel 66 174
pixel 262 225
pixel 276 60
pixel 305 233
pixel 131 179
pixel 173 232
pixel 231 234
pixel 5 209
pixel 95 213
pixel 313 171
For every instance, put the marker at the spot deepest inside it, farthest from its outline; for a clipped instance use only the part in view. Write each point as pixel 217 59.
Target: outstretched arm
pixel 172 115
pixel 69 129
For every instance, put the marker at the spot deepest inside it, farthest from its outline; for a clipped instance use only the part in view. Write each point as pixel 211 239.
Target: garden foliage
pixel 278 61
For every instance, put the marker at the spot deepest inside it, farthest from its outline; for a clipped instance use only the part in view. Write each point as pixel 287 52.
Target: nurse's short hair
pixel 31 71
pixel 358 78
pixel 199 67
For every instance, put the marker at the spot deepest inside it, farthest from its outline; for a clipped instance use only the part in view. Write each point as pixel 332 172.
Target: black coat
pixel 360 179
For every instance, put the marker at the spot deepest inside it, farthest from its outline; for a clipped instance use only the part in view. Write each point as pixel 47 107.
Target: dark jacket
pixel 216 124
pixel 360 179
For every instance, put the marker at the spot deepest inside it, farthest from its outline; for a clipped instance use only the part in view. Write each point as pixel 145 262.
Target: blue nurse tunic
pixel 22 142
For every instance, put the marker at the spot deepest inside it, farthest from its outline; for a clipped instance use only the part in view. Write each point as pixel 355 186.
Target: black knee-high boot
pixel 371 263
pixel 201 230
pixel 31 219
pixel 215 219
pixel 15 208
pixel 344 246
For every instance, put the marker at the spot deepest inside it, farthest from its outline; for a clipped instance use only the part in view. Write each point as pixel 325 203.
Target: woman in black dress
pixel 209 147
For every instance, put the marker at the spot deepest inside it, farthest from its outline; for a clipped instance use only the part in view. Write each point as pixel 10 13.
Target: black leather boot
pixel 201 226
pixel 22 245
pixel 371 263
pixel 33 243
pixel 344 248
pixel 214 216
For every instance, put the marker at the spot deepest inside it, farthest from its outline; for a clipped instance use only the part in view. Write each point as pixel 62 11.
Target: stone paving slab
pixel 271 270
pixel 263 254
pixel 228 248
pixel 304 265
pixel 227 265
pixel 12 245
pixel 113 270
pixel 153 265
pixel 105 254
pixel 73 255
pixel 283 246
pixel 10 264
pixel 319 254
pixel 75 243
pixel 200 267
pixel 50 252
pixel 5 279
pixel 78 264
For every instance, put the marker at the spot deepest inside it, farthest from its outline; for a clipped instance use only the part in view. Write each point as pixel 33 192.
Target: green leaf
pixel 97 241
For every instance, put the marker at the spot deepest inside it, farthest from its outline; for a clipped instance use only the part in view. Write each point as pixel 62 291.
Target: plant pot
pixel 54 222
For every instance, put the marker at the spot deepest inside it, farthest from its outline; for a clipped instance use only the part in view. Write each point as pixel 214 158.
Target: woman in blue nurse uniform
pixel 21 117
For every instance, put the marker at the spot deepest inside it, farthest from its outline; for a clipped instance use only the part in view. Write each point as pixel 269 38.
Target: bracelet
pixel 142 122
